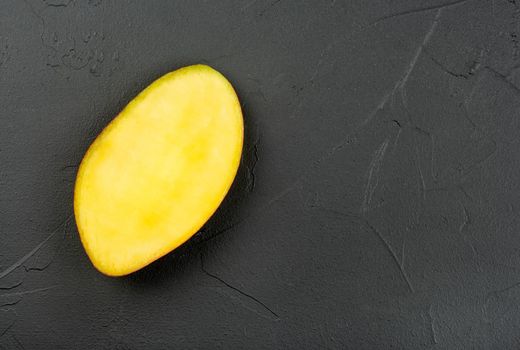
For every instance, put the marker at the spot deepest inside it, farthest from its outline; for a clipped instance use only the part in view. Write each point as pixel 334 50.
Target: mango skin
pixel 159 170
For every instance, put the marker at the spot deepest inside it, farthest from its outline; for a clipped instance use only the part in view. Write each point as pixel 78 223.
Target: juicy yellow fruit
pixel 159 170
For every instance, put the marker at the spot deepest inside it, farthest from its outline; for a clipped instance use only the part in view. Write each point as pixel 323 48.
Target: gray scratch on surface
pixel 373 175
pixel 378 108
pixel 18 342
pixel 431 139
pixel 432 326
pixel 7 329
pixel 18 263
pixel 360 220
pixel 39 269
pixel 11 287
pixel 398 86
pixel 402 252
pixel 444 69
pixel 470 121
pixel 419 10
pixel 404 100
pixel 10 303
pixel 59 4
pixel 244 294
pixel 419 170
pixel 393 255
pixel 56 250
pixel 398 136
pixel 495 294
pixel 415 58
pixel 396 140
pixel 30 291
pixel 503 78
pixel 506 289
pixel 466 220
pixel 26 257
pixel 284 192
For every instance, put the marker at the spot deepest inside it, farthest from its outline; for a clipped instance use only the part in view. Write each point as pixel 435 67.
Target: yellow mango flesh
pixel 159 170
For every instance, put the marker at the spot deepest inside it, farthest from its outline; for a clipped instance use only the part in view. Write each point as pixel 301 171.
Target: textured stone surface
pixel 376 206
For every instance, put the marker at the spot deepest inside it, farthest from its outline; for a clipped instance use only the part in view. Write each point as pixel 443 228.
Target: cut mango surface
pixel 159 170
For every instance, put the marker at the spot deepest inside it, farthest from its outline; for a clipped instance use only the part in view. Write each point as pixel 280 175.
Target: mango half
pixel 159 170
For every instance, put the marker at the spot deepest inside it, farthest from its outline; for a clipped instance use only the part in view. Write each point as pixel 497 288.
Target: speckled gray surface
pixel 376 206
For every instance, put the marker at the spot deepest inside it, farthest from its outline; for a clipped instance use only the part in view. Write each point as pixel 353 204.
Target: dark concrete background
pixel 376 206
